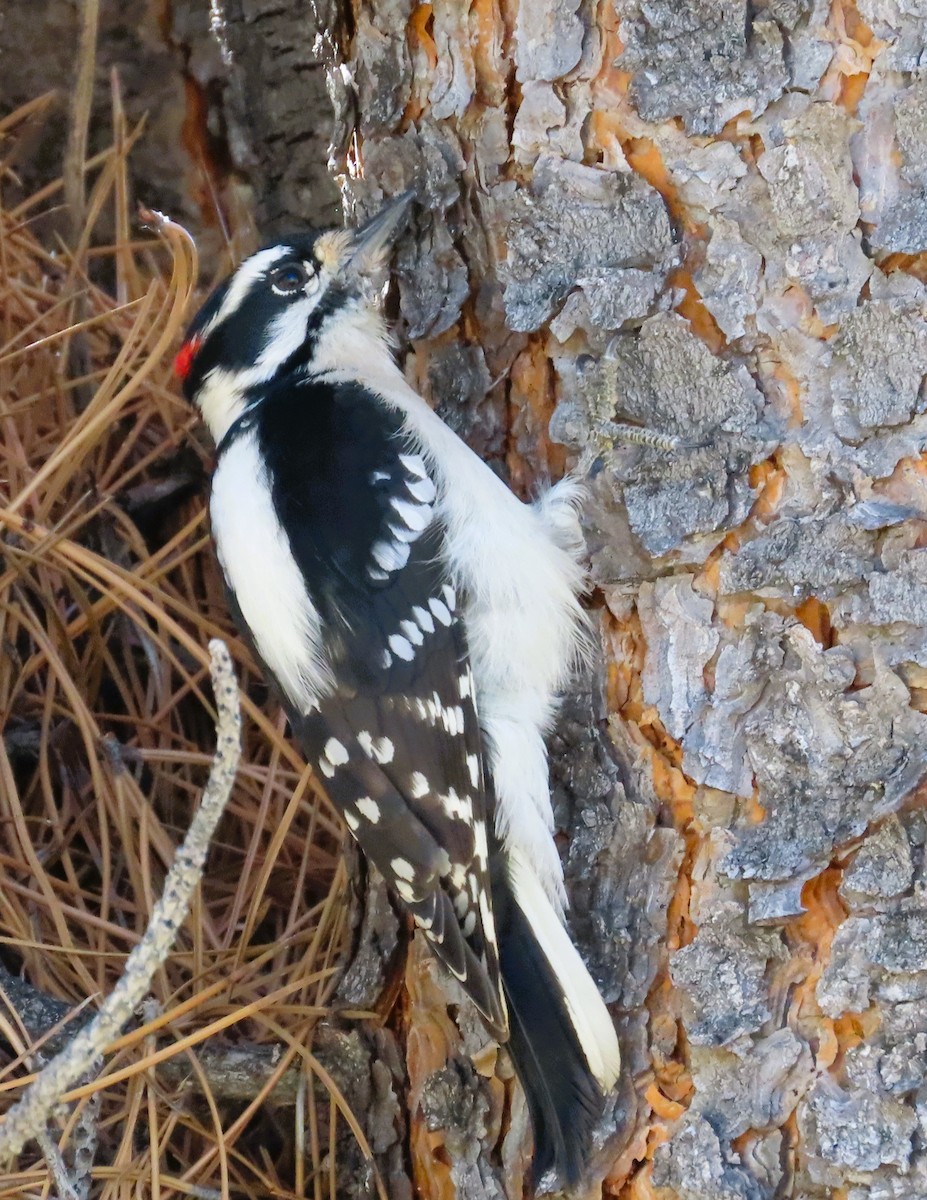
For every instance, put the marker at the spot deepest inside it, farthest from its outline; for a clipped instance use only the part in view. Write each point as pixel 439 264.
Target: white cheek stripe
pixel 260 569
pixel 221 395
pixel 285 334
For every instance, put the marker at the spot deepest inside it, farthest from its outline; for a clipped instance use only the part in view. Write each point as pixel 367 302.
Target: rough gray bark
pixel 260 72
pixel 746 876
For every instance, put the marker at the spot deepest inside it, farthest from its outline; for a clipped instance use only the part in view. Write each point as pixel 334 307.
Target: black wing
pixel 398 742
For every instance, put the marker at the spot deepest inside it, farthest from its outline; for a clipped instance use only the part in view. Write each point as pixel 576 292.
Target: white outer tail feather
pixel 590 1018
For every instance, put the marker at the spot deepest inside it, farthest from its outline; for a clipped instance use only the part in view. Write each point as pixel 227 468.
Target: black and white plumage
pixel 418 620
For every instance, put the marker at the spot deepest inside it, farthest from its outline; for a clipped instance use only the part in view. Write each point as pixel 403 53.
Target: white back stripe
pixel 265 578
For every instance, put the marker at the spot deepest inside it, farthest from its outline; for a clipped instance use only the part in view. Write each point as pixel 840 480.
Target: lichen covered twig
pixel 29 1118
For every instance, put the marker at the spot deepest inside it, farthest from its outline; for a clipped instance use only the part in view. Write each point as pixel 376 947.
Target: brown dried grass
pixel 109 595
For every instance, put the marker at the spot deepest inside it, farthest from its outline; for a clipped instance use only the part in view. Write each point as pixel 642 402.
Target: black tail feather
pixel 564 1100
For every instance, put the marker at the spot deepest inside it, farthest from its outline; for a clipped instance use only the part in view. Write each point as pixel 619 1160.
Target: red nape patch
pixel 185 356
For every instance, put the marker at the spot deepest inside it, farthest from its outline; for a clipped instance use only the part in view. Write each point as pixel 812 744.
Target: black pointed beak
pixel 373 240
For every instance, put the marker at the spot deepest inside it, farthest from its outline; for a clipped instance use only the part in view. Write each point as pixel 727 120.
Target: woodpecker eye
pixel 290 278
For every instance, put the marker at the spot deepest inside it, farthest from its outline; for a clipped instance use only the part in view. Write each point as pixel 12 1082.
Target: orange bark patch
pixel 814 932
pixel 531 395
pixel 432 1037
pixel 616 1181
pixel 754 812
pixel 486 41
pixel 825 911
pixel 815 617
pixel 769 479
pixel 207 184
pixel 424 55
pixel 645 158
pixel 420 30
pixel 852 91
pixel 692 307
pixel 663 1107
pixel 857 49
pixel 911 264
pixel 640 1187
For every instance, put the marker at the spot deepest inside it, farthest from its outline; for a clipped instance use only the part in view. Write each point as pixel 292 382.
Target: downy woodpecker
pixel 418 621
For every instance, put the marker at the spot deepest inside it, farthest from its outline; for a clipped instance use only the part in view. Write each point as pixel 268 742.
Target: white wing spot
pixel 457 807
pixel 453 720
pixel 377 575
pixel 414 464
pixel 391 556
pixel 383 750
pixel 412 632
pixel 461 905
pixel 465 684
pixel 405 890
pixel 401 647
pixel 422 490
pixel 479 841
pixel 379 476
pixel 418 786
pixel 473 766
pixel 326 768
pixel 469 924
pixel 369 808
pixel 450 596
pixel 366 742
pixel 402 534
pixel 415 516
pixel 458 876
pixel 424 618
pixel 386 659
pixel 335 752
pixel 402 869
pixel 440 610
pixel 352 821
pixel 489 925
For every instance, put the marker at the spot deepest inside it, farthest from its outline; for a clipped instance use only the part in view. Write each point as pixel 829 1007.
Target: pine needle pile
pixel 109 596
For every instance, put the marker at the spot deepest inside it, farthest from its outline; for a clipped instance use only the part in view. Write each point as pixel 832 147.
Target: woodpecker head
pixel 290 305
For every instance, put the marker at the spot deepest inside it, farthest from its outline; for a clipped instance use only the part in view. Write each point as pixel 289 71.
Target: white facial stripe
pixel 221 394
pixel 285 334
pixel 250 271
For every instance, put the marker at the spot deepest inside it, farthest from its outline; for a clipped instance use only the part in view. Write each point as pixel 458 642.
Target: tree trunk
pixel 677 247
